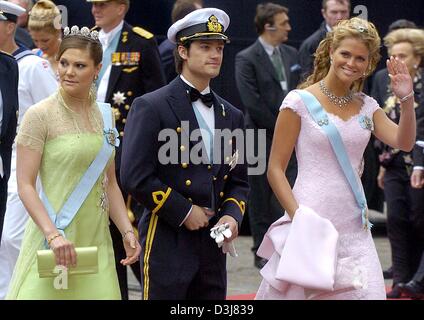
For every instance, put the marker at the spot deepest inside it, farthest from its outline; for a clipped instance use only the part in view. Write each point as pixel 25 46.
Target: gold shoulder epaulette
pixel 143 32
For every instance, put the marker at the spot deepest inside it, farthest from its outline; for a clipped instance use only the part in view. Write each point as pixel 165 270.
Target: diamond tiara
pixel 84 31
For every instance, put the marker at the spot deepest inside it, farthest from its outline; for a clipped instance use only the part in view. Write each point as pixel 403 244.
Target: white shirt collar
pixel 328 28
pixel 269 49
pixel 207 89
pixel 106 38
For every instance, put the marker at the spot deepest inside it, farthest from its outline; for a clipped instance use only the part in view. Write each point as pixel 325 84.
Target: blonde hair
pixel 44 16
pixel 356 28
pixel 413 36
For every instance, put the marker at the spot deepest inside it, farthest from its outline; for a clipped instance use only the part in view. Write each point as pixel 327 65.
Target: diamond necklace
pixel 338 101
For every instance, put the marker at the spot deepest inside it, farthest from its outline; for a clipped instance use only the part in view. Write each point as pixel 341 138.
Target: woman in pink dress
pixel 322 249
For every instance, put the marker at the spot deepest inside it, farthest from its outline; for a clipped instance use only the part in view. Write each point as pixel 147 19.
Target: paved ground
pixel 244 278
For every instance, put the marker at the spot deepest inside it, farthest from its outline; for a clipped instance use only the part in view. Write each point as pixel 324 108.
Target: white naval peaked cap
pixel 201 24
pixel 10 11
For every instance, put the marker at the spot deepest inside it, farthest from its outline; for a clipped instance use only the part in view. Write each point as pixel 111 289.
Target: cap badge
pixel 214 25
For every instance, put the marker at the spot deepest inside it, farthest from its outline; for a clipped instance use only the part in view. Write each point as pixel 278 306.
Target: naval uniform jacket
pixel 169 190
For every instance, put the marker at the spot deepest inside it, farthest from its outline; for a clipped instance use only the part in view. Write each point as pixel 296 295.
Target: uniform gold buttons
pixel 127 107
pixel 124 120
pixel 214 178
pixel 188 183
pixel 121 133
pixel 209 167
pixel 184 165
pixel 182 148
pixel 225 177
pixel 129 93
pixel 179 129
pixel 190 199
pixel 221 194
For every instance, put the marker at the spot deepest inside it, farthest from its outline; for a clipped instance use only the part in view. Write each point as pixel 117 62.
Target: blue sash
pixel 107 56
pixel 67 213
pixel 321 118
pixel 208 139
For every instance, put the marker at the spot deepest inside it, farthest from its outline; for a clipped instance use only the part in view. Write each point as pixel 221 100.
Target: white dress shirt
pixel 206 112
pixel 105 39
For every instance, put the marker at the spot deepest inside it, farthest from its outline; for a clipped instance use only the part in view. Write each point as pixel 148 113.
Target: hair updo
pixel 44 16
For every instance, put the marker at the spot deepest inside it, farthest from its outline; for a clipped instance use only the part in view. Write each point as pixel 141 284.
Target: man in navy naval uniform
pixel 8 119
pixel 184 199
pixel 130 68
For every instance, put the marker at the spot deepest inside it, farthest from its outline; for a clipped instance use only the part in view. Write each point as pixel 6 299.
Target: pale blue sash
pixel 321 118
pixel 208 140
pixel 85 185
pixel 107 56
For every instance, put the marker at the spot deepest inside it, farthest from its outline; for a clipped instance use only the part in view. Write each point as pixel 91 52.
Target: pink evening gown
pixel 321 185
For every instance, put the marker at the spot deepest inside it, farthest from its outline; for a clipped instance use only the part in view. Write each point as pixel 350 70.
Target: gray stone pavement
pixel 244 278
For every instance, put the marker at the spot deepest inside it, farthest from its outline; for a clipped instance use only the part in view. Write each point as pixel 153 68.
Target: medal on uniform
pixel 119 98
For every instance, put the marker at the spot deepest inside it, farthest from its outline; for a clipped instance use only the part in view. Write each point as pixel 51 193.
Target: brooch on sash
pixel 323 122
pixel 111 136
pixel 366 123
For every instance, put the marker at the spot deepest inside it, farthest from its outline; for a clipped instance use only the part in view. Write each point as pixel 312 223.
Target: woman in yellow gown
pixel 58 139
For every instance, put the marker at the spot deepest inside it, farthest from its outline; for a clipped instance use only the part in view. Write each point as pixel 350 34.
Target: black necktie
pixel 207 99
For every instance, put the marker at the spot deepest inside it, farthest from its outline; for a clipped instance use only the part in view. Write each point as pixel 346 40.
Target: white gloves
pixel 219 233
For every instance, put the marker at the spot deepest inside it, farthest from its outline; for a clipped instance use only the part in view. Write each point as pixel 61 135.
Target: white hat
pixel 10 11
pixel 201 24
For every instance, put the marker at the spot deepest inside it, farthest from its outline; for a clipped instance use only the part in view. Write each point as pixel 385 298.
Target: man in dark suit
pixel 8 118
pixel 332 11
pixel 131 68
pixel 166 48
pixel 203 183
pixel 265 72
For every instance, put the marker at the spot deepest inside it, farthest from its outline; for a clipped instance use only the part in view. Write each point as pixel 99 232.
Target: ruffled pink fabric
pixel 301 253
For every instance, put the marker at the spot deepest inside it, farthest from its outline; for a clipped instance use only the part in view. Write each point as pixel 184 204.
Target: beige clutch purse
pixel 87 262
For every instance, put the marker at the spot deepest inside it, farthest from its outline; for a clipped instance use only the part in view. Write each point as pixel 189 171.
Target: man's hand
pixel 197 219
pixel 233 226
pixel 417 178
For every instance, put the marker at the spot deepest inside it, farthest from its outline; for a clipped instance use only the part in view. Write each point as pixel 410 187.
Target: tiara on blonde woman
pixel 84 31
